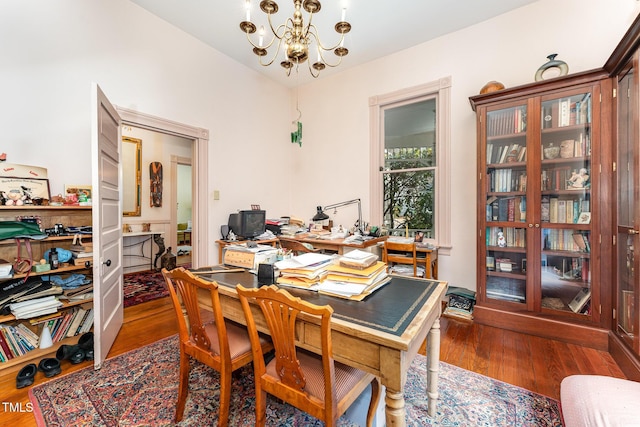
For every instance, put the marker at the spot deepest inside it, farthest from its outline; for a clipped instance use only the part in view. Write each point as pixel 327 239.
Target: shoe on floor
pixel 26 375
pixel 50 367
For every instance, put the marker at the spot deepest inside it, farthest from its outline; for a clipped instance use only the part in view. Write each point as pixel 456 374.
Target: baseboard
pixel 628 361
pixel 527 323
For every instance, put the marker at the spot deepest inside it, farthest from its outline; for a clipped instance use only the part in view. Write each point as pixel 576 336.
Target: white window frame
pixel 441 89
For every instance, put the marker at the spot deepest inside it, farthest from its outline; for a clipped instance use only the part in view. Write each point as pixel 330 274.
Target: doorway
pixel 183 212
pixel 199 178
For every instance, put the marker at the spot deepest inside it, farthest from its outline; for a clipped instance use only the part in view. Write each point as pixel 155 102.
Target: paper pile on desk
pixel 303 271
pixel 354 283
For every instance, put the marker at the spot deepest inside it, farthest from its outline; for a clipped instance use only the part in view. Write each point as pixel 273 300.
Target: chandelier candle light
pixel 296 39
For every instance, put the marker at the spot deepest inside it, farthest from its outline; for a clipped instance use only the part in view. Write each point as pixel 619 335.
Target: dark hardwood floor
pixel 530 362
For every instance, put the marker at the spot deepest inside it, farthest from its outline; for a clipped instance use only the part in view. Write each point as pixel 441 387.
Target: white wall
pixel 508 48
pixel 53 50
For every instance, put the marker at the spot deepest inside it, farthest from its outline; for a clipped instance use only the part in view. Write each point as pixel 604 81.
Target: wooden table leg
pixel 433 360
pixel 395 411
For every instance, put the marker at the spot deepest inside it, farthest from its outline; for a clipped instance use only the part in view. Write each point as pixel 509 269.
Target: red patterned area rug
pixel 140 388
pixel 143 286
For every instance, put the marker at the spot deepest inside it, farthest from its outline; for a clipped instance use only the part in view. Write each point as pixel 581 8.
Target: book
pixel 580 300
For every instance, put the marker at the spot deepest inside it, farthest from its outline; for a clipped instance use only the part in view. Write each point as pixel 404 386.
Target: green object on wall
pixel 296 137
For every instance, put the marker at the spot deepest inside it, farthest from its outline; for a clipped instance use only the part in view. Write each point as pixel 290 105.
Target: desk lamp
pixel 321 216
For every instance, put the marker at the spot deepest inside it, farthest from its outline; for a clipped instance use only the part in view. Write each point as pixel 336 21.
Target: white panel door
pixel 108 299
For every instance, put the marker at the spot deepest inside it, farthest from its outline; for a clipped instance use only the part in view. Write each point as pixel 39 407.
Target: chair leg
pixel 373 404
pixel 225 398
pixel 183 388
pixel 261 407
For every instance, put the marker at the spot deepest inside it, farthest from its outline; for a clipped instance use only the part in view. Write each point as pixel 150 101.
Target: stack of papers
pixel 6 270
pixel 35 307
pixel 354 283
pixel 303 271
pixel 358 259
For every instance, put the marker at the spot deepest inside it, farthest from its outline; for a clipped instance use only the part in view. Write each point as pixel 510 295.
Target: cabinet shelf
pixel 513 275
pixel 49 216
pixel 62 269
pixel 515 249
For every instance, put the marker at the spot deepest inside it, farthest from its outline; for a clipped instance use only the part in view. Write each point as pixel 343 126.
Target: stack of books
pixel 303 271
pixel 461 302
pixel 350 279
pixel 81 252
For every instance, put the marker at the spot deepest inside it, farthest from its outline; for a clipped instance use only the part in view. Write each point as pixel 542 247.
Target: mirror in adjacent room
pixel 131 161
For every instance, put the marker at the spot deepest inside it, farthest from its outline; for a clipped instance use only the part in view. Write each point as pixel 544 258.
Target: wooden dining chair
pixel 207 337
pixel 295 246
pixel 400 253
pixel 312 383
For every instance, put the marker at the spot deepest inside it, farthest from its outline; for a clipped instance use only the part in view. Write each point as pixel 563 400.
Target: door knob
pixel 107 263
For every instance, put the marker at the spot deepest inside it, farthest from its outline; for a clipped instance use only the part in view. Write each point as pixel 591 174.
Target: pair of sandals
pixel 51 366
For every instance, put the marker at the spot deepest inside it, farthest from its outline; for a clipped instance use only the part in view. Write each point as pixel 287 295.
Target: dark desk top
pixel 390 309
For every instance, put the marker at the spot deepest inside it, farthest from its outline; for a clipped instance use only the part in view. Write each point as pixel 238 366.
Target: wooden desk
pixel 381 334
pixel 337 245
pixel 144 237
pixel 223 243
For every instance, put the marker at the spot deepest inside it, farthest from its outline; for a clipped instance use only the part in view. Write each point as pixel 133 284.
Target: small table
pixel 223 243
pixel 149 236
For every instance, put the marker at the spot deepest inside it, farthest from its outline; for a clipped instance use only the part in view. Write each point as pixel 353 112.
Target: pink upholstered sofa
pixel 599 401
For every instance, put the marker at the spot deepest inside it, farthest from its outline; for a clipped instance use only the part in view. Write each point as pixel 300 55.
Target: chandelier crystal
pixel 297 40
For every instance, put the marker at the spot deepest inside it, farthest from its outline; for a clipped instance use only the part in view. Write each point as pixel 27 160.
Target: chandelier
pixel 297 40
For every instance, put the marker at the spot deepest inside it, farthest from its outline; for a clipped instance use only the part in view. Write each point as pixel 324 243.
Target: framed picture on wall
pixel 16 191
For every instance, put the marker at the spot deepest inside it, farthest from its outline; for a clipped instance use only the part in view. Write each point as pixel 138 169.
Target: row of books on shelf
pixel 16 341
pixel 565 211
pixel 566 112
pixel 507 236
pixel 554 239
pixel 506 153
pixel 506 122
pixel 506 209
pixel 506 180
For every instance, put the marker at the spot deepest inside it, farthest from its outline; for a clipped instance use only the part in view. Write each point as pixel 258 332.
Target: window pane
pixel 409 202
pixel 410 144
pixel 410 135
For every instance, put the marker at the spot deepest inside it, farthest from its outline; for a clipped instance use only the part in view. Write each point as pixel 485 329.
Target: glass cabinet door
pixel 627 226
pixel 565 204
pixel 506 204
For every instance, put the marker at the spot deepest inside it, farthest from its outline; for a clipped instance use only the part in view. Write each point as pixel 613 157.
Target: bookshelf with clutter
pixel 539 185
pixel 46 283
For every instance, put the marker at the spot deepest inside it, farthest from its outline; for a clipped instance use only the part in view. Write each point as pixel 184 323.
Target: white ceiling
pixel 379 27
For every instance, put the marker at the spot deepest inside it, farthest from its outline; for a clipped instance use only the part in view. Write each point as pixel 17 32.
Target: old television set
pixel 248 224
